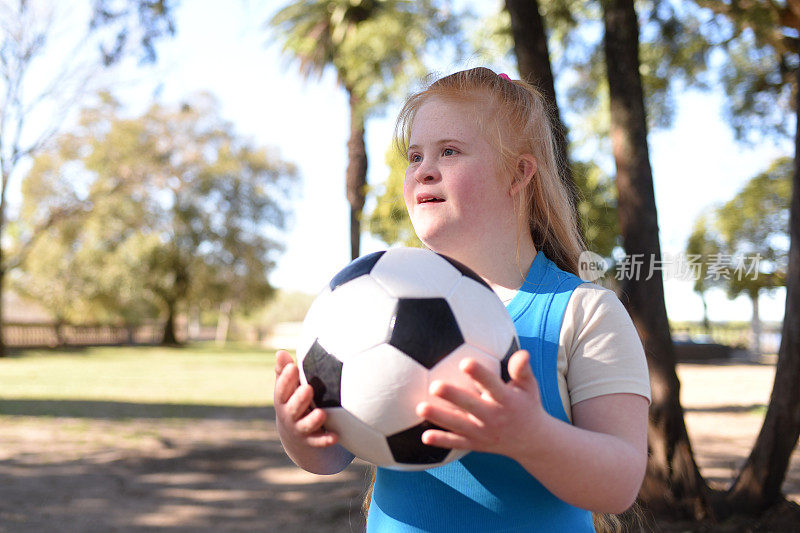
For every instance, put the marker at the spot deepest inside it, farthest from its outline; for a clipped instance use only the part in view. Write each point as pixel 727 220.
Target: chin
pixel 439 240
pixel 440 246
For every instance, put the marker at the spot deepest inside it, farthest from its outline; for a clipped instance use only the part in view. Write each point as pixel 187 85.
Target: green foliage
pixel 171 208
pixel 743 244
pixel 704 247
pixel 673 53
pixel 597 207
pixel 490 38
pixel 760 64
pixel 122 21
pixel 389 221
pixel 761 209
pixel 756 221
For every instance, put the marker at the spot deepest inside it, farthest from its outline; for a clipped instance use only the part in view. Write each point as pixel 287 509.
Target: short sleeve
pixel 603 350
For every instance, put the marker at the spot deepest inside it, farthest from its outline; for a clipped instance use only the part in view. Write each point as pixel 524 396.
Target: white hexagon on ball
pixel 356 316
pixel 482 317
pixel 448 368
pixel 415 273
pixel 362 440
pixel 382 387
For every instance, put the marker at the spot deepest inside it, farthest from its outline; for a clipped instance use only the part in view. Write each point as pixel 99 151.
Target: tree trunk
pixel 533 62
pixel 2 276
pixel 759 483
pixel 755 326
pixel 58 329
pixel 193 332
pixel 673 484
pixel 223 323
pixel 3 181
pixel 169 338
pixel 356 178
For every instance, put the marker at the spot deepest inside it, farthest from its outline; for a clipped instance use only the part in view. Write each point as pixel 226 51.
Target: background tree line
pixel 151 214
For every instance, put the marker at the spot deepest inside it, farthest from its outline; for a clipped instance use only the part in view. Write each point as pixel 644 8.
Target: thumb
pixel 519 368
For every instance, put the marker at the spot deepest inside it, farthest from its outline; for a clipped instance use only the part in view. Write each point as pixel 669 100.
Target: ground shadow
pixel 732 408
pixel 109 410
pixel 247 485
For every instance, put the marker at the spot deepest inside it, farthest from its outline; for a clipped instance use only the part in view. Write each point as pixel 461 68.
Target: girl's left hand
pixel 494 417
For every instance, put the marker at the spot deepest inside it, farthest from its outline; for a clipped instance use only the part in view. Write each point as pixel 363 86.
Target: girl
pixel 567 436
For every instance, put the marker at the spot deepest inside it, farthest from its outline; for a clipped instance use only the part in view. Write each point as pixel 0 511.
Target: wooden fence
pixel 46 334
pixel 735 335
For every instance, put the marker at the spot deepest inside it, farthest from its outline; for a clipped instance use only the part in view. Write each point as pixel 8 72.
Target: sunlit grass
pixel 193 375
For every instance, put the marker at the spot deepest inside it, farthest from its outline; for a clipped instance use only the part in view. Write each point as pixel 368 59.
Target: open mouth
pixel 429 200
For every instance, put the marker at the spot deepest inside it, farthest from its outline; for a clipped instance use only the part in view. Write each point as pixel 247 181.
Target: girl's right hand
pixel 299 422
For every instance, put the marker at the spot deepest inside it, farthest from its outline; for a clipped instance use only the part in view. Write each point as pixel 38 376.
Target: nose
pixel 426 173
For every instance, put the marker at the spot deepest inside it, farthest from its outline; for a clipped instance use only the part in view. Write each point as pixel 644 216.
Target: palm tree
pixel 375 47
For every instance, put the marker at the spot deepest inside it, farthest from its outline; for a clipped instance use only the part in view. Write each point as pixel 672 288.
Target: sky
pixel 223 48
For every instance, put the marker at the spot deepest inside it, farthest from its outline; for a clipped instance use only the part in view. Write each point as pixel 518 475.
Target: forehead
pixel 439 118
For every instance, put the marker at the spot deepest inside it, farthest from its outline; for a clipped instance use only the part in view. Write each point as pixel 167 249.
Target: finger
pixel 312 422
pixel 451 419
pixel 282 358
pixel 300 402
pixel 445 439
pixel 322 439
pixel 486 380
pixel 519 368
pixel 464 399
pixel 312 428
pixel 286 383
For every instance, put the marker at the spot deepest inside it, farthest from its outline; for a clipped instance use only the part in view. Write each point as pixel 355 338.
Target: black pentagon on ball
pixel 504 363
pixel 324 373
pixel 425 330
pixel 359 267
pixel 407 446
pixel 465 270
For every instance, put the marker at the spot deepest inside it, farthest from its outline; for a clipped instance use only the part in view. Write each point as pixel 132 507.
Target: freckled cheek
pixel 471 199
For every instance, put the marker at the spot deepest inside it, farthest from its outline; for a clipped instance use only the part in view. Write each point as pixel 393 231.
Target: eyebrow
pixel 439 142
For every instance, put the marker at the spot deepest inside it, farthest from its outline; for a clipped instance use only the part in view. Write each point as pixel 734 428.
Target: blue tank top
pixel 484 492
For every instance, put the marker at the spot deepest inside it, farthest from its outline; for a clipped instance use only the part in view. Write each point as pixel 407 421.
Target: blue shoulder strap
pixel 538 311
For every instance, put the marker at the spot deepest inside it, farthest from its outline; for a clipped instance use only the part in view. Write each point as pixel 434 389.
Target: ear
pixel 526 169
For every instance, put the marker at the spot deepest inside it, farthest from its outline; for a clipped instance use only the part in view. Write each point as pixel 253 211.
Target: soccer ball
pixel 388 325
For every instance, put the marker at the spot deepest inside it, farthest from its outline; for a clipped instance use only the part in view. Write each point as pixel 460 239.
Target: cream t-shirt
pixel 599 351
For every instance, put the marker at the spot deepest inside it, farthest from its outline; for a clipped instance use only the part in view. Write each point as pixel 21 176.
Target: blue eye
pixel 415 158
pixel 448 151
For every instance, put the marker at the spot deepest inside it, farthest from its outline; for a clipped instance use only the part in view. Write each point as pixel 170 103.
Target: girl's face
pixel 453 191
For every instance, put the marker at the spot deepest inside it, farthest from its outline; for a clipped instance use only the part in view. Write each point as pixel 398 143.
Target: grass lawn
pixel 196 375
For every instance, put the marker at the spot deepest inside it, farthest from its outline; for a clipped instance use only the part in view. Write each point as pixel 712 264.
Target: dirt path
pixel 226 472
pixel 725 406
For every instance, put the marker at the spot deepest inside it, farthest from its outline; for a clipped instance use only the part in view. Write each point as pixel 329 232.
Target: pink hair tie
pixel 504 76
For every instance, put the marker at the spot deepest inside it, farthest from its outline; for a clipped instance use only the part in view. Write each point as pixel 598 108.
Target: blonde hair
pixel 517 121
